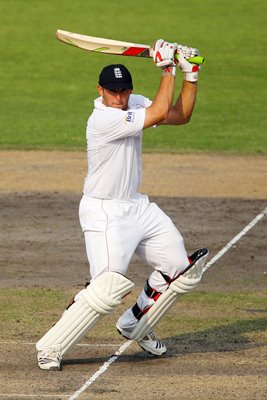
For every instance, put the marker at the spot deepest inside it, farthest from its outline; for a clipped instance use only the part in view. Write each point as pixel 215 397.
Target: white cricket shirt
pixel 114 149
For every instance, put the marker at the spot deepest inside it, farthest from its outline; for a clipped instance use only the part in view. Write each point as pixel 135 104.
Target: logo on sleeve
pixel 129 116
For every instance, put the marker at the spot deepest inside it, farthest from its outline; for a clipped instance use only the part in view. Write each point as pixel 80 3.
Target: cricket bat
pixel 108 46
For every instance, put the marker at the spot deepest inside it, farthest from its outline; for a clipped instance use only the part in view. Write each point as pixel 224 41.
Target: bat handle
pixel 193 60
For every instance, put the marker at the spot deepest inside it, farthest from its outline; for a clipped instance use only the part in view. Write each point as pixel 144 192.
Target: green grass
pixel 47 88
pixel 27 313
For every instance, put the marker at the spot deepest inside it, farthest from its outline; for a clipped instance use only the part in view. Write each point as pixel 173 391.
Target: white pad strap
pixel 183 284
pixel 99 298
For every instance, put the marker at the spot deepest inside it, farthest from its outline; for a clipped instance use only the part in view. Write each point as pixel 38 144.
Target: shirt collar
pixel 98 103
pixel 100 106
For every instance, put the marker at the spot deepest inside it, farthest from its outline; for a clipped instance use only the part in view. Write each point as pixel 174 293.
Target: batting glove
pixel 190 70
pixel 188 52
pixel 163 56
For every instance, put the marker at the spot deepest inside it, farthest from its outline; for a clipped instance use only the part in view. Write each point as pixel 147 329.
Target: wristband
pixel 169 71
pixel 191 76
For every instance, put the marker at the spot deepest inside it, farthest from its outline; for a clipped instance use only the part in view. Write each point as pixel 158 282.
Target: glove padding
pixel 190 70
pixel 188 52
pixel 163 54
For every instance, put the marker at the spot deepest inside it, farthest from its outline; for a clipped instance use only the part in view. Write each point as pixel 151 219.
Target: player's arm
pixel 163 55
pixel 181 112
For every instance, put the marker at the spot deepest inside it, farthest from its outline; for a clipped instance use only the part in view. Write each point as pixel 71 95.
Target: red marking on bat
pixel 134 51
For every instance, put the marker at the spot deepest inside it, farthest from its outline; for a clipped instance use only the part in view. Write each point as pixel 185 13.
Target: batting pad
pixel 99 298
pixel 182 285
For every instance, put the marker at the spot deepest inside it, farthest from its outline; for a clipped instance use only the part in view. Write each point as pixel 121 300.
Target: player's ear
pixel 100 90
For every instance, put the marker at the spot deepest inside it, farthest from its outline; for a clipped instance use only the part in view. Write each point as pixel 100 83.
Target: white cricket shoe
pixel 149 343
pixel 49 361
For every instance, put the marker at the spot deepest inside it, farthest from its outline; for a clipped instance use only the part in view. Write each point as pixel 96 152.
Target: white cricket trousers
pixel 116 229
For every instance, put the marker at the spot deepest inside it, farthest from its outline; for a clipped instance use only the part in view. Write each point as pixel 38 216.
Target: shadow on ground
pixel 223 338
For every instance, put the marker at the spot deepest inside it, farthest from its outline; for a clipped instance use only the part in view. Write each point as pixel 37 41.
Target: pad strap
pixel 152 294
pixel 137 312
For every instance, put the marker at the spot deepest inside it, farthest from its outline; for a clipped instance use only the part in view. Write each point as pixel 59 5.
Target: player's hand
pixel 190 70
pixel 163 55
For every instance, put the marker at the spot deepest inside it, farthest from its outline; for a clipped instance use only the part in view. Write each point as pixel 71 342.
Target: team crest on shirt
pixel 129 116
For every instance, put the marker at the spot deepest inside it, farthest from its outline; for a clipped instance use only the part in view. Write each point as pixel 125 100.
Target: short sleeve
pixel 113 124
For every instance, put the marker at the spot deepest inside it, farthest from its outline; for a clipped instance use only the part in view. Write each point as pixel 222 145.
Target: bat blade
pixel 109 46
pixel 101 45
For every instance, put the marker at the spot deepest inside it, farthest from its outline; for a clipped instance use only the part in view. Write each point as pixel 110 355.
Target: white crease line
pixel 235 239
pixel 79 344
pixel 20 396
pixel 128 343
pixel 101 370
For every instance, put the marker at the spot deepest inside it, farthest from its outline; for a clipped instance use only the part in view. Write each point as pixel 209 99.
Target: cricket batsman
pixel 118 221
